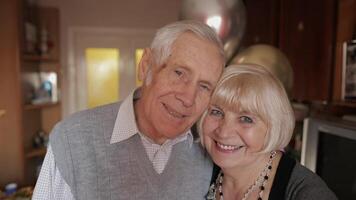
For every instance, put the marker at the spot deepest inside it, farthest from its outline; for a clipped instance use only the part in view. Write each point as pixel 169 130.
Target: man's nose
pixel 187 95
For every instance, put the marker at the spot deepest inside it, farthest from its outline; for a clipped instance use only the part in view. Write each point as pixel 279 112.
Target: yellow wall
pixel 102 76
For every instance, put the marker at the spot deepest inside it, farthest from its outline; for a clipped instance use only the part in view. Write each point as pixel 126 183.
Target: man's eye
pixel 205 87
pixel 245 119
pixel 178 72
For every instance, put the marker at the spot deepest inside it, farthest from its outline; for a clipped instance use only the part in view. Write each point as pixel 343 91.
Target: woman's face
pixel 233 138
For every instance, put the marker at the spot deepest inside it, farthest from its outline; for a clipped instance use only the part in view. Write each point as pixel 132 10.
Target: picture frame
pixel 349 71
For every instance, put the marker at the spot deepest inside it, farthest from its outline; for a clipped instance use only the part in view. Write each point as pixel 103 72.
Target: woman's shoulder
pixel 305 184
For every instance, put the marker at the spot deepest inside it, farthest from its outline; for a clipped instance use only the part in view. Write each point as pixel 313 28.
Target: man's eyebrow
pixel 183 67
pixel 206 82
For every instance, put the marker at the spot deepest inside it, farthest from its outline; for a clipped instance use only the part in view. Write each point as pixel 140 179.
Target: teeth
pixel 173 113
pixel 228 147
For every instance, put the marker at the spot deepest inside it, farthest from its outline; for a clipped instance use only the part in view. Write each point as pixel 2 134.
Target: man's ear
pixel 145 64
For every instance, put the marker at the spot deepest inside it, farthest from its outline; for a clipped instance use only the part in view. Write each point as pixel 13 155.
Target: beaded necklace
pixel 260 182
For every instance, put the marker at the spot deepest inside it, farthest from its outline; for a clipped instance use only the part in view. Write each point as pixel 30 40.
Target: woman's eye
pixel 246 119
pixel 216 112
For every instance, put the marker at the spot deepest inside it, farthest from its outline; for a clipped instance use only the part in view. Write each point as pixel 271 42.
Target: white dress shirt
pixel 51 185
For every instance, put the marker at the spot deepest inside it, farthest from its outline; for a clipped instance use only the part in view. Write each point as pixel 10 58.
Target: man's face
pixel 180 89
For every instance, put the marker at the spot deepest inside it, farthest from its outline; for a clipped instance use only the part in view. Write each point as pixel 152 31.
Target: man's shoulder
pixel 94 112
pixel 93 115
pixel 197 146
pixel 87 119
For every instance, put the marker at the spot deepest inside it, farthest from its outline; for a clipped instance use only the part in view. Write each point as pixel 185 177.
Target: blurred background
pixel 59 57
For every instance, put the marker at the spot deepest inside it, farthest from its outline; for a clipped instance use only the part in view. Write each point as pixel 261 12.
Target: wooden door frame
pixel 74 35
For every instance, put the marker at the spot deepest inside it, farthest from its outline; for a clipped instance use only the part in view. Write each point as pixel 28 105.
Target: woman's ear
pixel 145 64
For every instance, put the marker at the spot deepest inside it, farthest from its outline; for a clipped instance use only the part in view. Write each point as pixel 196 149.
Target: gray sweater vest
pixel 96 169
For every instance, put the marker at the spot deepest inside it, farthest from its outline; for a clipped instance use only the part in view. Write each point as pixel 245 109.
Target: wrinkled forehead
pixel 197 55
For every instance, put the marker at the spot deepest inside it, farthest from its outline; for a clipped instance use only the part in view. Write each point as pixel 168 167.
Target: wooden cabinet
pixel 22 118
pixel 11 145
pixel 311 34
pixel 346 31
pixel 262 22
pixel 306 36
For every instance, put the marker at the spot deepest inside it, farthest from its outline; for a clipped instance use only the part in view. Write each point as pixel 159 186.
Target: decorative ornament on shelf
pixel 40 139
pixel 30 38
pixel 10 189
pixel 44 42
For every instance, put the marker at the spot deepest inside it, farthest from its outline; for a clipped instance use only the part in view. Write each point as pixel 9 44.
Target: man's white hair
pixel 161 45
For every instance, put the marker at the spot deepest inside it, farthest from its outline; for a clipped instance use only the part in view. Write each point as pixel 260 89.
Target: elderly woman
pixel 248 123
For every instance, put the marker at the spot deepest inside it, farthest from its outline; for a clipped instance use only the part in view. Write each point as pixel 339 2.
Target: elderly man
pixel 142 148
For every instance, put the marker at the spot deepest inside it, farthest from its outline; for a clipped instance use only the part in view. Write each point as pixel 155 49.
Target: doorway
pixel 103 65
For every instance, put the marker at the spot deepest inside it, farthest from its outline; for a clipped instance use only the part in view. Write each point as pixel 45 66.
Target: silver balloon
pixel 227 17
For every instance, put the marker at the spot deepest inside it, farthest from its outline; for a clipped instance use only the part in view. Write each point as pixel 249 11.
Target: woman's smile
pixel 227 148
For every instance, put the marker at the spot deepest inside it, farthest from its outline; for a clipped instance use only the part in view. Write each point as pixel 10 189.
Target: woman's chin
pixel 223 163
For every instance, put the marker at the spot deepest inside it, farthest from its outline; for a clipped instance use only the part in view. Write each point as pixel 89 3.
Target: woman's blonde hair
pixel 252 88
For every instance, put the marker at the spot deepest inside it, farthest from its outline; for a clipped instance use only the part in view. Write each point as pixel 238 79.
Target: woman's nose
pixel 225 129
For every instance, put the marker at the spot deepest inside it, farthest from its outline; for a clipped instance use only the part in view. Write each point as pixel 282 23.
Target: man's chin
pixel 172 134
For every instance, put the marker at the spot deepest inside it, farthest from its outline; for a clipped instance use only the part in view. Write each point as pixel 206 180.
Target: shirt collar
pixel 125 123
pixel 170 142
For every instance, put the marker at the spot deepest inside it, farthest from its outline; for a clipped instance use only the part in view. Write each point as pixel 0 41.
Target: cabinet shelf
pixel 33 153
pixel 38 58
pixel 22 73
pixel 351 104
pixel 39 106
